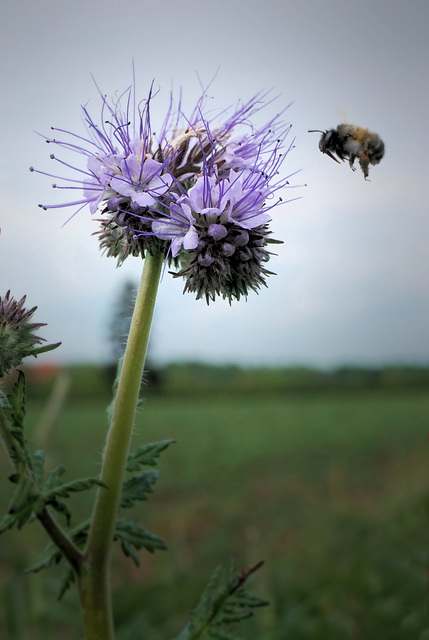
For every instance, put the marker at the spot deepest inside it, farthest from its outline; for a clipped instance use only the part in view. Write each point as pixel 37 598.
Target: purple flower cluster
pixel 200 191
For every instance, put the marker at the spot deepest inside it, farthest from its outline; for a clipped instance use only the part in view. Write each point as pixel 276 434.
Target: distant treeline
pixel 193 379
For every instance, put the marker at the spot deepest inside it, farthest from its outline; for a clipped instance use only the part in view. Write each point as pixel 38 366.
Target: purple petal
pixel 190 240
pixel 142 198
pixel 217 231
pixel 122 186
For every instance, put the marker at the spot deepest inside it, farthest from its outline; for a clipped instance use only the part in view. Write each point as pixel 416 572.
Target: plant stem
pixel 63 542
pixel 94 584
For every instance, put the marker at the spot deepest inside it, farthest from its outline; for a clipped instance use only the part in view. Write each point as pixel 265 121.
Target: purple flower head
pixel 200 190
pixel 219 232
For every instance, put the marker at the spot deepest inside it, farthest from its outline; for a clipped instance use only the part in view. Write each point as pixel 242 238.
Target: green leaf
pixel 4 403
pixel 14 410
pixel 16 400
pixel 147 455
pixel 64 490
pixel 52 490
pixel 34 493
pixel 51 497
pixel 137 487
pixel 52 482
pixel 47 347
pixel 133 536
pixel 22 504
pixel 38 466
pixel 52 555
pixel 66 582
pixel 60 507
pixel 223 603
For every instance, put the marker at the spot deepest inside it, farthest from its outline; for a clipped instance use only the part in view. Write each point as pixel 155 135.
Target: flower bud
pixel 17 338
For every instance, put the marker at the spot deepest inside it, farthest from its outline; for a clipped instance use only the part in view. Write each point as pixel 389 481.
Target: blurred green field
pixel 330 488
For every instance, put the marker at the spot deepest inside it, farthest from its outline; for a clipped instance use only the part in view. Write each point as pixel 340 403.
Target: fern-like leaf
pixel 137 487
pixel 21 506
pixel 134 537
pixel 223 603
pixel 52 489
pixel 147 455
pixel 14 410
pixel 51 555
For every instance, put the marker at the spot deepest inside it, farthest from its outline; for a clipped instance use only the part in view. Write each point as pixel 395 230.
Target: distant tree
pixel 118 331
pixel 121 319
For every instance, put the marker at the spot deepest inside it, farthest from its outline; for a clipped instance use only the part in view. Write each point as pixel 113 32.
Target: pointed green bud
pixel 17 337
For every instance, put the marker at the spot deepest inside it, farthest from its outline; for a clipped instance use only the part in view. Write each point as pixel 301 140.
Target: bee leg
pixel 352 158
pixel 328 153
pixel 364 162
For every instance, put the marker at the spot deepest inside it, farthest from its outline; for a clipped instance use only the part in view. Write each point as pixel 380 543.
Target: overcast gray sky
pixel 352 283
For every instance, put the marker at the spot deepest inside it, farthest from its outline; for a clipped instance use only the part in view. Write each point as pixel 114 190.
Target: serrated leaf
pixel 21 505
pixel 4 403
pixel 38 466
pixel 147 455
pixel 129 552
pixel 16 519
pixel 60 507
pixel 131 534
pixel 14 410
pixel 79 533
pixel 245 599
pixel 23 492
pixel 67 580
pixel 223 603
pixel 53 479
pixel 52 496
pixel 64 490
pixel 137 487
pixel 52 555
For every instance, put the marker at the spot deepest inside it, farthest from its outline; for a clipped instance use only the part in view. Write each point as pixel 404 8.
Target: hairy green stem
pixel 94 583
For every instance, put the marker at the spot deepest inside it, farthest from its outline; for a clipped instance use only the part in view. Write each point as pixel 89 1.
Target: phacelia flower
pixel 223 228
pixel 201 190
pixel 17 338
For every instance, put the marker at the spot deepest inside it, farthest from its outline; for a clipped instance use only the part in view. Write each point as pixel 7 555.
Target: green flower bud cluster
pixel 17 337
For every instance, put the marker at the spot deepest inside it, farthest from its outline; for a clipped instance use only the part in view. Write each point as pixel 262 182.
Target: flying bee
pixel 348 141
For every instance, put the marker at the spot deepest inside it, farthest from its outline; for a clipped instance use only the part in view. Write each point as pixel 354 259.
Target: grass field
pixel 330 489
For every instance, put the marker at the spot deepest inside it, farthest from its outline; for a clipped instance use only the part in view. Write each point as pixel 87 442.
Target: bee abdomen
pixel 376 150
